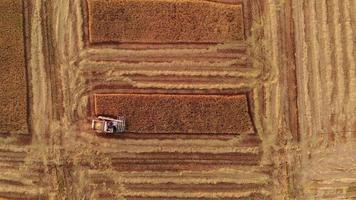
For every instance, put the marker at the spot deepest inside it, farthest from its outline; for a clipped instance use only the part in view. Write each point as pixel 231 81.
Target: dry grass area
pixel 326 31
pixel 13 82
pixel 293 138
pixel 164 21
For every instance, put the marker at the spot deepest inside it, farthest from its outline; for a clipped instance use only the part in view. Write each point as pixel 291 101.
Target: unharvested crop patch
pixel 13 92
pixel 164 113
pixel 153 21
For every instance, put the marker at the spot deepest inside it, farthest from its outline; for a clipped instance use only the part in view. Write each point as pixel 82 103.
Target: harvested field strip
pixel 152 84
pixel 258 193
pixel 145 57
pixel 201 162
pixel 150 46
pixel 24 186
pixel 175 182
pixel 15 141
pixel 146 140
pixel 102 68
pixel 217 53
pixel 100 73
pixel 160 143
pixel 238 47
pixel 166 139
pixel 11 159
pixel 165 136
pixel 238 175
pixel 17 177
pixel 16 183
pixel 168 156
pixel 13 150
pixel 188 82
pixel 117 83
pixel 203 188
pixel 326 93
pixel 181 79
pixel 125 89
pixel 165 68
pixel 254 196
pixel 157 58
pixel 157 113
pixel 149 83
pixel 20 194
pixel 172 165
pixel 171 149
pixel 11 182
pixel 328 36
pixel 9 154
pixel 193 194
pixel 232 72
pixel 178 187
pixel 335 189
pixel 217 190
pixel 15 165
pixel 164 21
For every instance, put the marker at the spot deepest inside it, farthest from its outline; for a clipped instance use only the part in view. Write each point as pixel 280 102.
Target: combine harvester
pixel 108 125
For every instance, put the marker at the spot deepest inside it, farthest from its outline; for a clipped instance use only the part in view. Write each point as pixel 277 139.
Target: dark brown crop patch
pixel 165 113
pixel 13 85
pixel 164 21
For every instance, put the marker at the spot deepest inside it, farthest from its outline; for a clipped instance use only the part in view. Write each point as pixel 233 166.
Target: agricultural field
pixel 13 80
pixel 164 21
pixel 223 99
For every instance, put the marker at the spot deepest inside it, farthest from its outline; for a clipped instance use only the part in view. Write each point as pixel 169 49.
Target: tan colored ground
pixel 297 66
pixel 13 81
pixel 327 76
